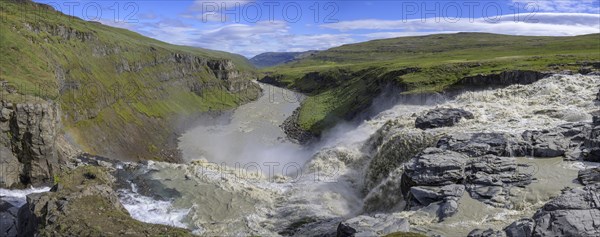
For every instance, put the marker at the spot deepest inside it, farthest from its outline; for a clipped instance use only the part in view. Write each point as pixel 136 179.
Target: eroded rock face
pixel 29 131
pixel 442 117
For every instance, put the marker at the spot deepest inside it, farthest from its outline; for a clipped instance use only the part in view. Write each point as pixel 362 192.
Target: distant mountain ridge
pixel 270 59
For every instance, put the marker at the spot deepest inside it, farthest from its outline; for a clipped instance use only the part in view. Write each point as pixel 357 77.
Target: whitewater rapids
pixel 244 178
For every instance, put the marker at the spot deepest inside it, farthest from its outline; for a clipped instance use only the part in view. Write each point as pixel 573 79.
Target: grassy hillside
pixel 342 81
pixel 120 92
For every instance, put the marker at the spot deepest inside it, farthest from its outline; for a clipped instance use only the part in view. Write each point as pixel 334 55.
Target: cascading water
pixel 268 186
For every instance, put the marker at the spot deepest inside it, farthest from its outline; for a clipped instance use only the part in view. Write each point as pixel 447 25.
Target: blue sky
pixel 251 27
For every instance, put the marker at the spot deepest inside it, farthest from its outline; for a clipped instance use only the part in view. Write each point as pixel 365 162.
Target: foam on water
pixel 148 210
pixel 222 201
pixel 18 197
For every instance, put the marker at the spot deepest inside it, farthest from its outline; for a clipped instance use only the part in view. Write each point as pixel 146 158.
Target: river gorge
pixel 242 176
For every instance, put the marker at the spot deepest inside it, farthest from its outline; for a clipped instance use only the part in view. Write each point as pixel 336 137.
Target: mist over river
pixel 243 177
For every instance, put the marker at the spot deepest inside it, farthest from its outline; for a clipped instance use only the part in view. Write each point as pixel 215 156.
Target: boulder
pixel 521 228
pixel 377 225
pixel 589 176
pixel 442 117
pixel 434 167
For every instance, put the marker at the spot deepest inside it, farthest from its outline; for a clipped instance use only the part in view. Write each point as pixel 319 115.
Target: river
pixel 244 178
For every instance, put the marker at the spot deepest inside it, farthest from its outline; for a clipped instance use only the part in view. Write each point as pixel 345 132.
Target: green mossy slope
pixel 121 93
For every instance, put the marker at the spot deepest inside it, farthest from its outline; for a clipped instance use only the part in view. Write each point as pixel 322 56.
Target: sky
pixel 249 27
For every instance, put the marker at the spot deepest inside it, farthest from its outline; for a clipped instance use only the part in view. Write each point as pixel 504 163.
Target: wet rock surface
pixel 442 117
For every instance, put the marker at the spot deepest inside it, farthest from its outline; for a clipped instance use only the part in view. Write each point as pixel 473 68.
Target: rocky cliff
pixel 28 143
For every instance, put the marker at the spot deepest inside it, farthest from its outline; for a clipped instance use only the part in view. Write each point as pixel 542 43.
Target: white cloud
pixel 590 6
pixel 540 24
pixel 245 39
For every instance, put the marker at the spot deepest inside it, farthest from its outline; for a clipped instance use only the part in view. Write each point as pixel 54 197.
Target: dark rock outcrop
pixel 8 219
pixel 434 167
pixel 521 228
pixel 589 176
pixel 28 143
pixel 442 117
pixel 435 179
